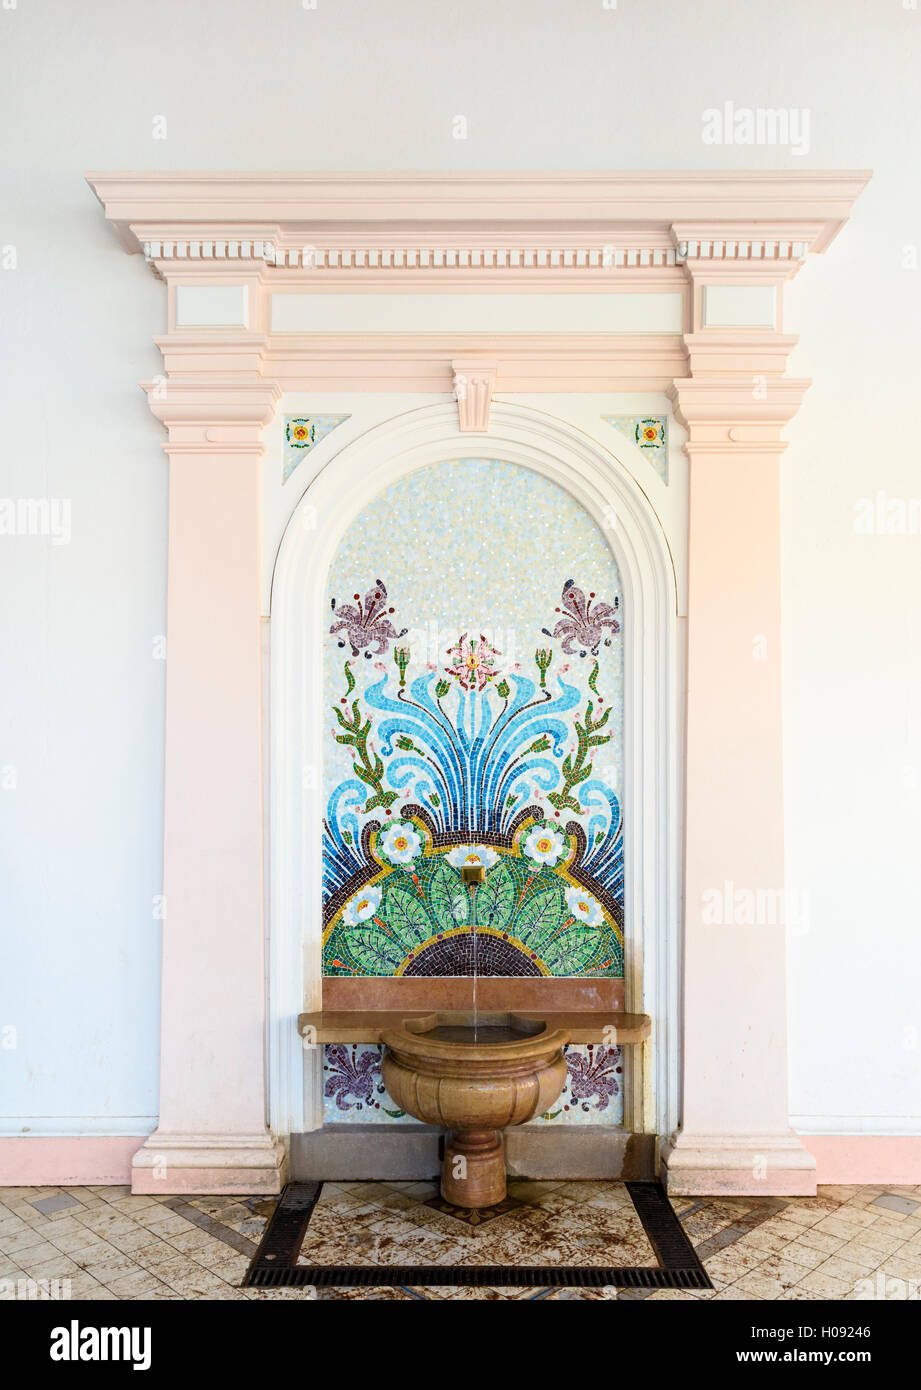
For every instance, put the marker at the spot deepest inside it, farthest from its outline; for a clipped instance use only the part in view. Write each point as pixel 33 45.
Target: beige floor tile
pixel 83 1285
pixel 824 1284
pixel 805 1256
pixel 281 1295
pixel 107 1270
pixel 37 1255
pixel 808 1211
pixel 820 1240
pixel 761 1285
pixel 884 1242
pixel 786 1272
pixel 192 1239
pixel 137 1285
pixel 24 1210
pixel 737 1261
pixel 578 1191
pixel 843 1269
pixel 130 1241
pixel 95 1248
pixel 733 1293
pixel 21 1241
pixel 136 1203
pixel 419 1191
pixel 59 1268
pixel 227 1294
pixel 670 1296
pixel 845 1229
pixel 857 1253
pixel 167 1223
pixel 885 1219
pixel 69 1241
pixel 903 1266
pixel 612 1200
pixel 231 1271
pixel 194 1281
pixel 154 1253
pixel 765 1241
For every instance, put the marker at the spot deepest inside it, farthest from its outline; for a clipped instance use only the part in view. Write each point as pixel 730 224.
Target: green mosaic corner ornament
pixel 649 433
pixel 302 432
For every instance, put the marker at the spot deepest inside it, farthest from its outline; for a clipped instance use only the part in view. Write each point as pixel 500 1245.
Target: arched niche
pixel 522 438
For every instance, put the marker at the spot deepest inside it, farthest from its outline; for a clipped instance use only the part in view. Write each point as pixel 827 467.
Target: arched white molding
pixel 299 623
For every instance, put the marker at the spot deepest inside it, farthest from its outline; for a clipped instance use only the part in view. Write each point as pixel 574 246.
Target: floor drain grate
pixel 480 1276
pixel 287 1226
pixel 275 1262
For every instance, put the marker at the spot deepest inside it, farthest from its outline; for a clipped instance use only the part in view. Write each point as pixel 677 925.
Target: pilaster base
pixel 225 1163
pixel 755 1165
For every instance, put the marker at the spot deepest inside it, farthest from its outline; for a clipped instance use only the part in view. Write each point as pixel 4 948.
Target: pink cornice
pixel 296 203
pixel 643 233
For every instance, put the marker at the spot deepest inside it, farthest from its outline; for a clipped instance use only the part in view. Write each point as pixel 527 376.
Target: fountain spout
pixel 473 875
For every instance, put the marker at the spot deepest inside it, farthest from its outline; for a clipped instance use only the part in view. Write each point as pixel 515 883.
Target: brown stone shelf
pixel 366 1025
pixel 506 994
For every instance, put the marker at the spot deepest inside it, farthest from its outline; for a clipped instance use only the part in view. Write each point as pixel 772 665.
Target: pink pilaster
pixel 212 1135
pixel 735 1135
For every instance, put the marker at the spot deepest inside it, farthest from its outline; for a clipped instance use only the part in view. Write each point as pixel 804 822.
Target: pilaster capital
pixel 736 414
pixel 213 417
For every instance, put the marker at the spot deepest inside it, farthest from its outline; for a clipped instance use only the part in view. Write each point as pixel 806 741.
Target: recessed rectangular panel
pixel 476 313
pixel 212 306
pixel 739 306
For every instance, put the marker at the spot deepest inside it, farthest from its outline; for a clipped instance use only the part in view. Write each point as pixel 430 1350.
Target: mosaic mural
pixel 474 674
pixel 354 1090
pixel 649 434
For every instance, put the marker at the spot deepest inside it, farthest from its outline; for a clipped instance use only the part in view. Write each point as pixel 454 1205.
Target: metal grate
pixel 664 1231
pixel 275 1262
pixel 287 1226
pixel 493 1276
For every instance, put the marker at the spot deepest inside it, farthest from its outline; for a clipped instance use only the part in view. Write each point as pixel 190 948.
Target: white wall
pixel 350 85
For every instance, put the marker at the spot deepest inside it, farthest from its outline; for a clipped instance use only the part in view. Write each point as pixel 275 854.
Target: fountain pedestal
pixel 473 1174
pixel 475 1081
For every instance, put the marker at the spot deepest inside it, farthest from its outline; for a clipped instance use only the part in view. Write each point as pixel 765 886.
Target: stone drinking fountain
pixel 474 1080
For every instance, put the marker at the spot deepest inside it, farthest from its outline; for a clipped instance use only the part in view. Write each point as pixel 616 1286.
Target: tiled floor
pixel 847 1243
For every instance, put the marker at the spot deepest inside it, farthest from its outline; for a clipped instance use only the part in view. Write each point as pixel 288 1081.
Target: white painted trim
pixel 850 1125
pixel 590 473
pixel 76 1126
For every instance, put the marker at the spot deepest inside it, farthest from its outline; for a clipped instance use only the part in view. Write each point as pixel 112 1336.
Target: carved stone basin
pixel 474 1082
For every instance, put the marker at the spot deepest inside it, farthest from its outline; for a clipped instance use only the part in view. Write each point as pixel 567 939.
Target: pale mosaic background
pixel 475 545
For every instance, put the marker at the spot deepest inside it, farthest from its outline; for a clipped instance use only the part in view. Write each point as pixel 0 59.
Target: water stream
pixel 476 1017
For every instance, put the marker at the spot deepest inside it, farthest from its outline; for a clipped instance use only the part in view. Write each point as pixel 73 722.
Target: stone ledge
pixel 382 1153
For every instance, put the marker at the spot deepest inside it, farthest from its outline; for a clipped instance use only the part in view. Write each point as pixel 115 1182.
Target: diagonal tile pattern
pixel 104 1243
